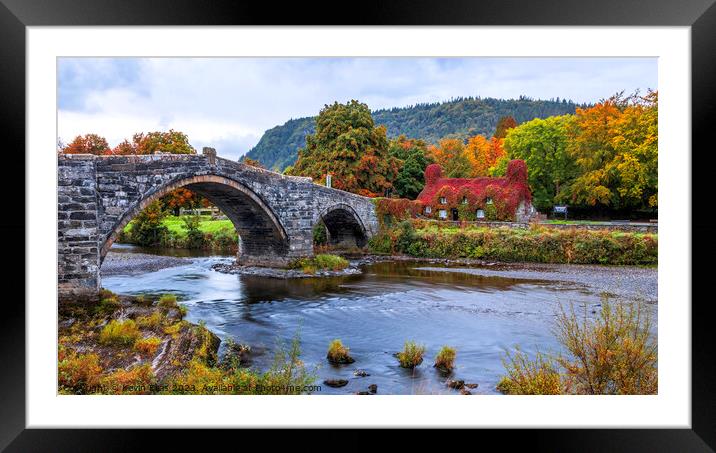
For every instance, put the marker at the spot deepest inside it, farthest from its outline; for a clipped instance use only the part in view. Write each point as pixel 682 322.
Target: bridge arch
pixel 345 227
pixel 261 234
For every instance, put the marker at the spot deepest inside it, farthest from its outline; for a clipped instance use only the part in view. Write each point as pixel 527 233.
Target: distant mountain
pixel 460 118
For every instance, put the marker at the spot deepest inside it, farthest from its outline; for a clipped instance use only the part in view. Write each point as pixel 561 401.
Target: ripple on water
pixel 373 314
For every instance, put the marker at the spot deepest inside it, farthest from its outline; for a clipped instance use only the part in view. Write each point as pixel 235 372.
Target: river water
pixel 373 313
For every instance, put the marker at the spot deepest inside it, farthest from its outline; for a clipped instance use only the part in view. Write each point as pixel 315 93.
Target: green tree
pixel 170 142
pixel 147 228
pixel 349 146
pixel 413 154
pixel 542 144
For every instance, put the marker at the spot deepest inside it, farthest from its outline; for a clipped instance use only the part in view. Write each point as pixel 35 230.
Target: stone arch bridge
pixel 274 214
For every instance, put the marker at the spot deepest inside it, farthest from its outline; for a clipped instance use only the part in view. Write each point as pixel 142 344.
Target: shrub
pixel 338 354
pixel 614 354
pixel 537 244
pixel 175 328
pixel 445 360
pixel 411 355
pixel 530 377
pixel 611 355
pixel 182 311
pixel 135 381
pixel 108 305
pixel 194 236
pixel 153 321
pixel 147 227
pixel 147 346
pixel 119 332
pixel 167 301
pixel 77 373
pixel 287 375
pixel 143 300
pixel 320 235
pixel 332 262
pixel 226 239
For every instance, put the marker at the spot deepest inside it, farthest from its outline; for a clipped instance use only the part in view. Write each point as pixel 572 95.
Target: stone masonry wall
pixel 77 227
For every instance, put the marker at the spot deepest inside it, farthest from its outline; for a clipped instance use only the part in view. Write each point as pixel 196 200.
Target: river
pixel 479 311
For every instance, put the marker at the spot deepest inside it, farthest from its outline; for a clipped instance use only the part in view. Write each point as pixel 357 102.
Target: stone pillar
pixel 210 154
pixel 77 227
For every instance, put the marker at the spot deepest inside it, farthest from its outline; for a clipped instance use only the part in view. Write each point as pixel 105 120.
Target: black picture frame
pixel 700 15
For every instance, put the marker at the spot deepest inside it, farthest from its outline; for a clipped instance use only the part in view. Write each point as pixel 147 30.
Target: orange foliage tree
pixel 87 144
pixel 450 155
pixel 483 154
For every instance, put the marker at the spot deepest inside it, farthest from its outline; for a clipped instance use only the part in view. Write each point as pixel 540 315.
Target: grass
pixel 445 360
pixel 530 377
pixel 288 375
pixel 338 354
pixel 119 332
pixel 167 301
pixel 320 262
pixel 411 355
pixel 176 225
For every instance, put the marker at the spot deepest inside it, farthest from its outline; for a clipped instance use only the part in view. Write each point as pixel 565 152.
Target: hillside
pixel 464 117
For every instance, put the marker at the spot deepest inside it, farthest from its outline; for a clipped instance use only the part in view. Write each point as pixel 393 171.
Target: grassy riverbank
pixel 136 345
pixel 534 244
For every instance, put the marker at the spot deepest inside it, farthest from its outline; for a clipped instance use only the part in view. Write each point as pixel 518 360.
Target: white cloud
pixel 230 102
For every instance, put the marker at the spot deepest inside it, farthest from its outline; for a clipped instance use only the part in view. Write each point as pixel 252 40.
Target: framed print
pixel 412 217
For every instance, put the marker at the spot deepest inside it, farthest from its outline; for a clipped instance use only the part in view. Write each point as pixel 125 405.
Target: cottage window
pixel 428 210
pixel 464 200
pixel 443 200
pixel 488 200
pixel 443 214
pixel 480 214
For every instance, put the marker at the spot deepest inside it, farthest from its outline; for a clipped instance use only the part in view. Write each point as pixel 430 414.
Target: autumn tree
pixel 483 154
pixel 349 146
pixel 504 124
pixel 450 155
pixel 413 155
pixel 542 144
pixel 615 145
pixel 87 144
pixel 170 142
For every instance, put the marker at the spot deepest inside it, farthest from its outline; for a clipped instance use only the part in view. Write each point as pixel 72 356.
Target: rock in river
pixel 336 382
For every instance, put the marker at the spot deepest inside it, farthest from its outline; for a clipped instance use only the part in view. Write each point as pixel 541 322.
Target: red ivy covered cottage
pixel 485 198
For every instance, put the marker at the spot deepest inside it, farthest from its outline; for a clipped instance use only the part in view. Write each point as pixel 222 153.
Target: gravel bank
pixel 629 282
pixel 279 273
pixel 138 263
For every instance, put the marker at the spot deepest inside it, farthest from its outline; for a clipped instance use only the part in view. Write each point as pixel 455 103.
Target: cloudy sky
pixel 228 103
